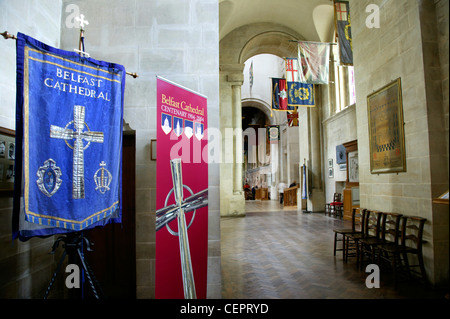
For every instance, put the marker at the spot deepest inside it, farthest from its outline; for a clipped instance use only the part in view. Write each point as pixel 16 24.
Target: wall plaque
pixel 386 131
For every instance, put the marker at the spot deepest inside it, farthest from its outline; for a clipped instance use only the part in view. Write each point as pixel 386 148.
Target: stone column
pixel 316 161
pixel 237 126
pixel 232 202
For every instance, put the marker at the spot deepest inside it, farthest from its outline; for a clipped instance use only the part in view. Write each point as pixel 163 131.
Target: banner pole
pixel 6 35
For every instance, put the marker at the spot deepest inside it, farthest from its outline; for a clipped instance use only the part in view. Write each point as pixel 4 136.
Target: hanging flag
pixel 300 94
pixel 344 31
pixel 314 59
pixel 279 95
pixel 304 182
pixel 251 75
pixel 273 134
pixel 292 70
pixel 292 118
pixel 69 112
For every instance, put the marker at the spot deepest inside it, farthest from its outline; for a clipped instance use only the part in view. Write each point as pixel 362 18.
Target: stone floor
pixel 282 253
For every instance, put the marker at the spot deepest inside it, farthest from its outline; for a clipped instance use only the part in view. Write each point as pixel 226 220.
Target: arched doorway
pixel 236 48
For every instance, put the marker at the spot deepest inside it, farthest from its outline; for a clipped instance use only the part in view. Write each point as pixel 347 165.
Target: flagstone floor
pixel 287 254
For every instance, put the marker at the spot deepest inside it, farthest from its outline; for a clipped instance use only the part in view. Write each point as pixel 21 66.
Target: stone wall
pixel 405 46
pixel 337 129
pixel 25 267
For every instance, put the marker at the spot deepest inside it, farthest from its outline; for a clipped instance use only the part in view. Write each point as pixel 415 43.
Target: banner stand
pixel 73 241
pixel 73 248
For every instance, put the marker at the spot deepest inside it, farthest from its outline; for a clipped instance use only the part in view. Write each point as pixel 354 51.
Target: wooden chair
pixel 327 209
pixel 351 238
pixel 372 234
pixel 411 242
pixel 389 235
pixel 337 206
pixel 357 227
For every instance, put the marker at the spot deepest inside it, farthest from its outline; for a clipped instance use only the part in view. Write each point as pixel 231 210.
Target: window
pixel 344 82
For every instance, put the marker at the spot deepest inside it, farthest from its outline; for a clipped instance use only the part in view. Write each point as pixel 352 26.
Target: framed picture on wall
pixel 153 150
pixel 386 131
pixel 7 156
pixel 353 170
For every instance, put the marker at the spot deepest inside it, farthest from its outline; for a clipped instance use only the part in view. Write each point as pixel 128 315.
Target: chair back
pixel 358 217
pixel 372 223
pixel 390 227
pixel 337 198
pixel 412 231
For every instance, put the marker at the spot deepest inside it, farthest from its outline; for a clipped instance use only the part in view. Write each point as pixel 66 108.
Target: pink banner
pixel 181 193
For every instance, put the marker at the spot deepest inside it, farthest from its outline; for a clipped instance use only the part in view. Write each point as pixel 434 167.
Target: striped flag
pixel 292 70
pixel 314 59
pixel 292 118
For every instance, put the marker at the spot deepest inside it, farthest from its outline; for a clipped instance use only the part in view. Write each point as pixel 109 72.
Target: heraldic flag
pixel 69 112
pixel 314 58
pixel 300 94
pixel 344 31
pixel 279 95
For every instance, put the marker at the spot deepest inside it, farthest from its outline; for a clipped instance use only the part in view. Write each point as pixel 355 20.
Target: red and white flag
pixel 314 59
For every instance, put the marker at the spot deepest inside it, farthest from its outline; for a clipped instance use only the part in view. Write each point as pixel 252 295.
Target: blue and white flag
pixel 68 169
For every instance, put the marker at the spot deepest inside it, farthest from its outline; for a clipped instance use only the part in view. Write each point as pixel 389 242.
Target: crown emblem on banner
pixel 102 178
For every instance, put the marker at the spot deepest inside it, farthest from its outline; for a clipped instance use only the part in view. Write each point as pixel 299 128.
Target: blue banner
pixel 69 112
pixel 300 94
pixel 344 31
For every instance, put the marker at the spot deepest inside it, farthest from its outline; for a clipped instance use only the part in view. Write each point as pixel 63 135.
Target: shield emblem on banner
pixel 49 178
pixel 166 123
pixel 178 126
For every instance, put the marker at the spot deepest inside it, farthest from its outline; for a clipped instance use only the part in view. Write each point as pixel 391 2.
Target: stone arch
pixel 257 38
pixel 260 105
pixel 277 43
pixel 235 48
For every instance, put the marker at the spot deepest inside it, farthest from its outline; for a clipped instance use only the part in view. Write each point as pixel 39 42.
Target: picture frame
pixel 330 162
pixel 7 160
pixel 386 129
pixel 353 169
pixel 330 172
pixel 153 149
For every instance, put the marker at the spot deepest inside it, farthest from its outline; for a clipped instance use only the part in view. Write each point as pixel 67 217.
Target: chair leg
pixel 335 242
pixel 405 259
pixel 422 266
pixel 346 239
pixel 357 253
pixel 361 256
pixel 394 268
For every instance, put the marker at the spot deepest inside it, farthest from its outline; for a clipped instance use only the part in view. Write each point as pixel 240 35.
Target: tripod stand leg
pixel 91 278
pixel 58 268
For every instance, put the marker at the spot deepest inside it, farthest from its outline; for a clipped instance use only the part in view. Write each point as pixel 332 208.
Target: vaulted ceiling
pixel 313 19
